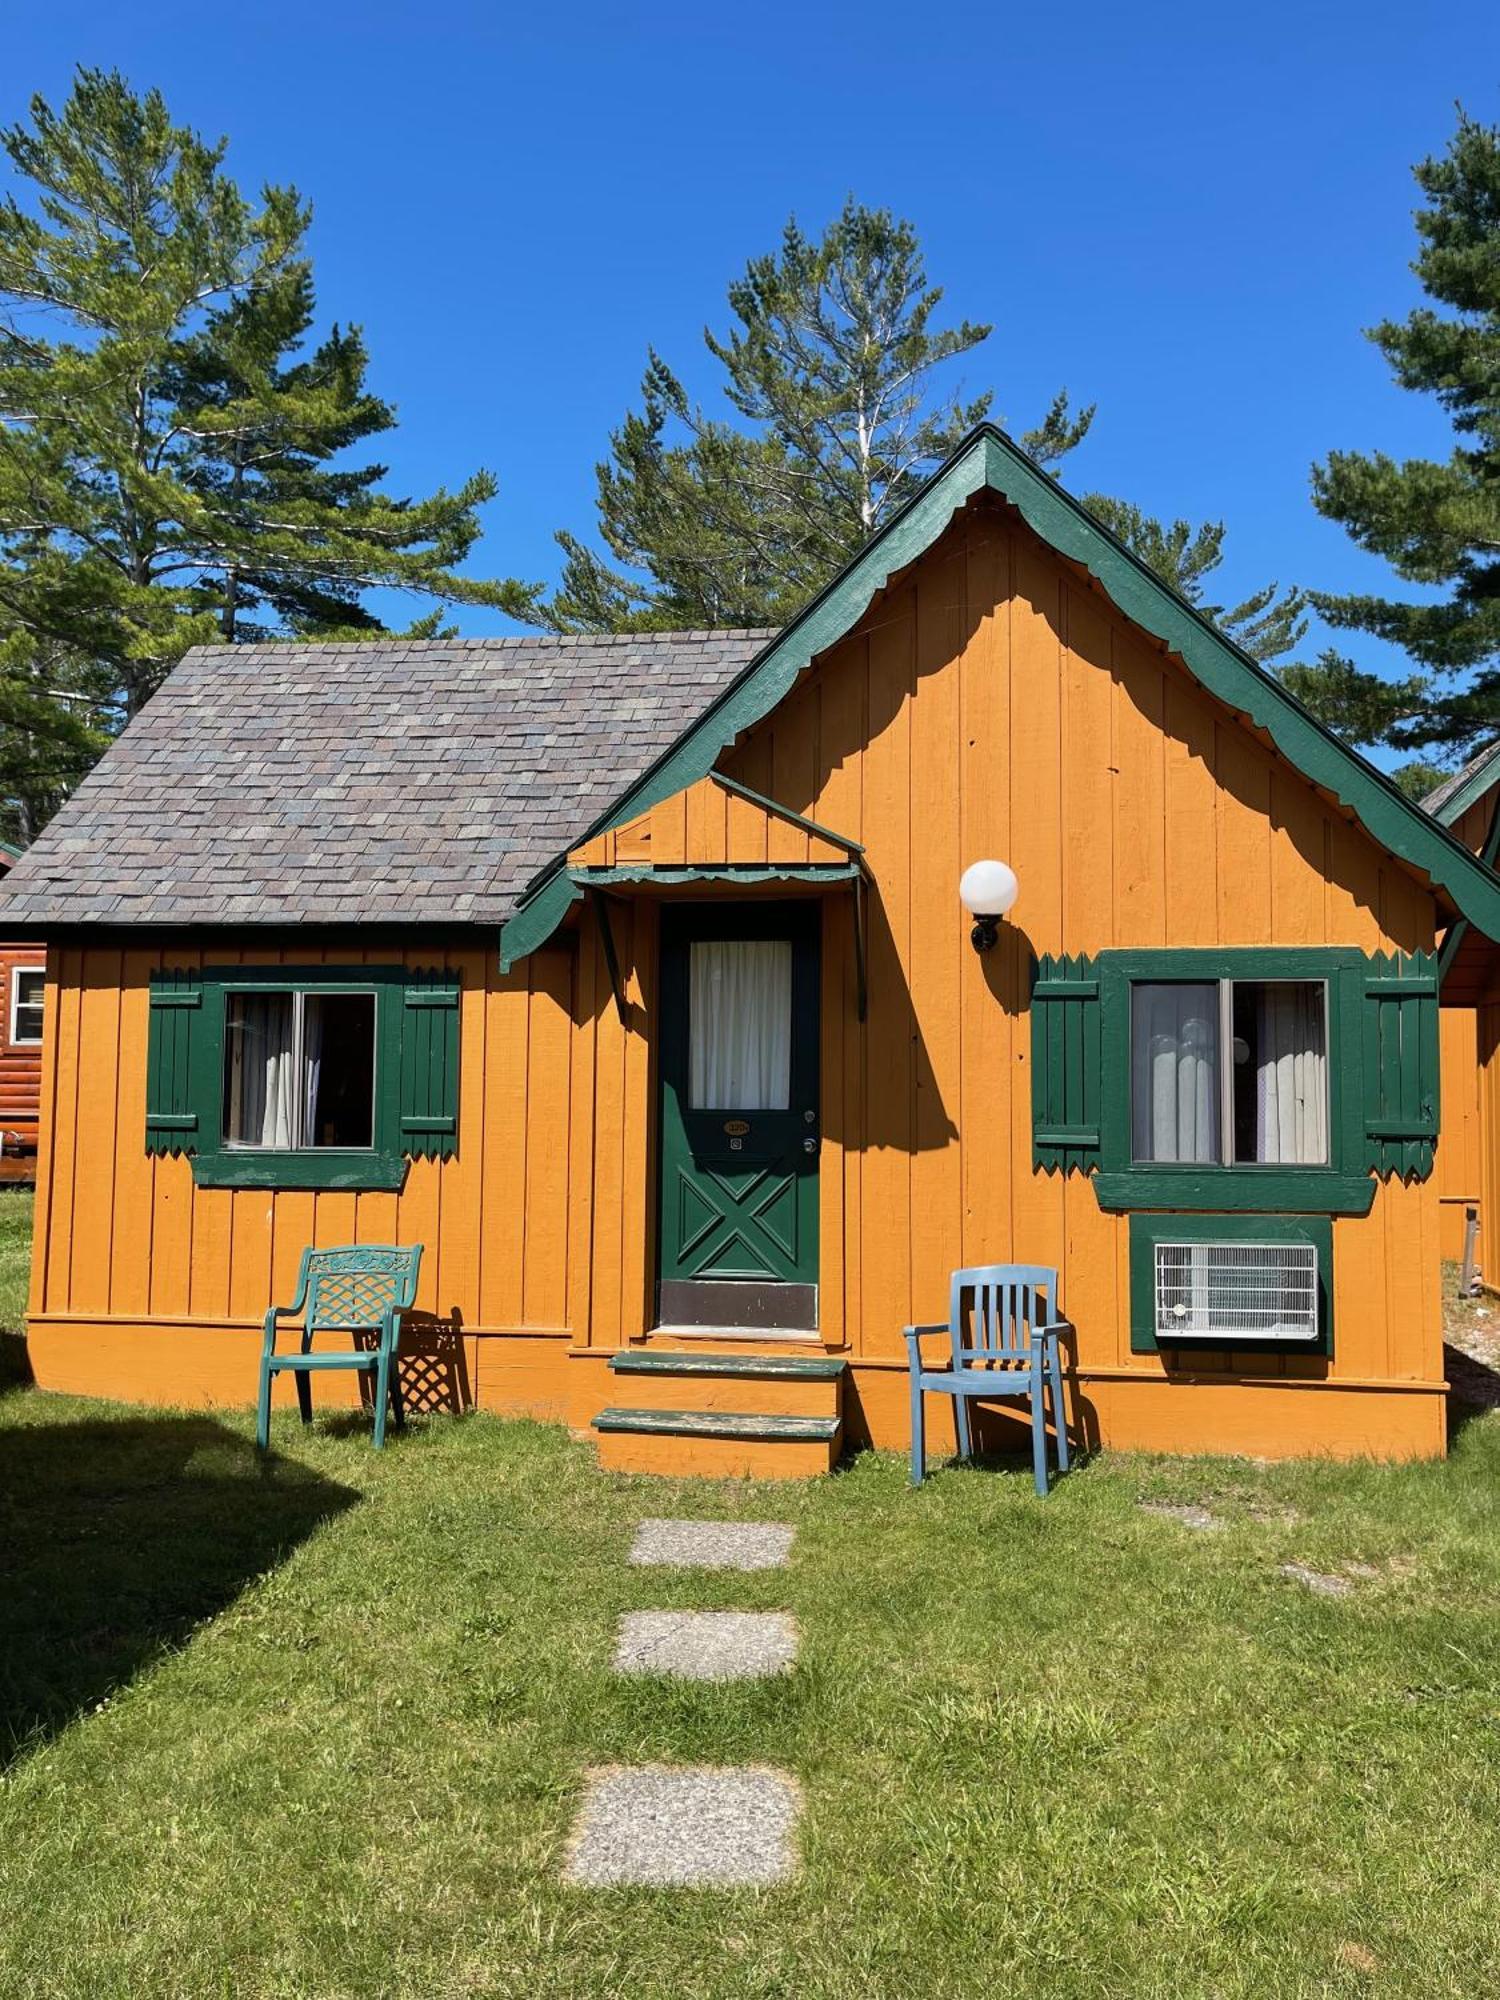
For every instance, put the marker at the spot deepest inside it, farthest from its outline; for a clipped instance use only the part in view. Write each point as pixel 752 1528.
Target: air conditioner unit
pixel 1236 1292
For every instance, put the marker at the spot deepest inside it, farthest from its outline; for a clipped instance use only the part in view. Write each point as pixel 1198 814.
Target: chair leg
pixel 1038 1431
pixel 962 1428
pixel 918 1440
pixel 263 1411
pixel 382 1392
pixel 304 1393
pixel 398 1401
pixel 1059 1413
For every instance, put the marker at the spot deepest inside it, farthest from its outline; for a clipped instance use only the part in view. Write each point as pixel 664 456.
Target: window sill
pixel 1262 1190
pixel 326 1168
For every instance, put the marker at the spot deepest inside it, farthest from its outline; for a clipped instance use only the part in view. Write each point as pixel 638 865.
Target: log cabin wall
pixel 20 1062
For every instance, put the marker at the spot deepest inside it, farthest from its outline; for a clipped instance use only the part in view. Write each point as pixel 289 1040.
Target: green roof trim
pixel 1472 785
pixel 987 459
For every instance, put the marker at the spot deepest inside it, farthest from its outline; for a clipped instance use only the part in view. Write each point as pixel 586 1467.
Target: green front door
pixel 738 1209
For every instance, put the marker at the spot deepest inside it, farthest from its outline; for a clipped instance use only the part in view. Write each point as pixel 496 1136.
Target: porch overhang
pixel 714 836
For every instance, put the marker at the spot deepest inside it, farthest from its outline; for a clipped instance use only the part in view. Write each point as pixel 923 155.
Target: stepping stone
pixel 706 1645
pixel 1317 1580
pixel 1189 1514
pixel 713 1544
pixel 685 1826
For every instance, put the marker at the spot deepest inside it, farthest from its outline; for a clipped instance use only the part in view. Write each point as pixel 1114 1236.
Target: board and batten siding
pixel 991 702
pixel 20 1066
pixel 137 1271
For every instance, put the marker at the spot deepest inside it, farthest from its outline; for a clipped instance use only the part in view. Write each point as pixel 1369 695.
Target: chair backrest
pixel 993 1308
pixel 357 1285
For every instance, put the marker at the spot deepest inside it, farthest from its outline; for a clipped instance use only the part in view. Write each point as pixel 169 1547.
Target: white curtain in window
pixel 1174 1081
pixel 740 1024
pixel 1291 1078
pixel 261 1084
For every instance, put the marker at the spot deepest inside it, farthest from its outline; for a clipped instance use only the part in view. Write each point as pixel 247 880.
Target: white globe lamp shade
pixel 987 888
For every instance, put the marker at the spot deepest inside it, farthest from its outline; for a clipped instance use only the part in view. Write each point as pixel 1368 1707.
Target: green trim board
pixel 1482 774
pixel 807 872
pixel 1147 1230
pixel 1382 1059
pixel 987 459
pixel 415 1084
pixel 781 812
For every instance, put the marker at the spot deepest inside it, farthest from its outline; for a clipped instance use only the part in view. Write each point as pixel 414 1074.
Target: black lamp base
pixel 983 935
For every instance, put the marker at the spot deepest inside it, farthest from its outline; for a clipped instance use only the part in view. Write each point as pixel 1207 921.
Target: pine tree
pixel 1266 625
pixel 828 367
pixel 170 472
pixel 1437 523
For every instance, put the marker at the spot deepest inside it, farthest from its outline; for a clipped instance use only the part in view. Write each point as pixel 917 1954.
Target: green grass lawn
pixel 317 1728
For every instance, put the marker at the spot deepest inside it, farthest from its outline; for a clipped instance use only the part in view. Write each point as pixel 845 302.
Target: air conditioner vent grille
pixel 1236 1292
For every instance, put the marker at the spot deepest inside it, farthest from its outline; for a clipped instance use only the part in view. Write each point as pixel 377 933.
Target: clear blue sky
pixel 1186 214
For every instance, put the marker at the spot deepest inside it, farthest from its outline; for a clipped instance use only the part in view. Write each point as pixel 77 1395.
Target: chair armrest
pixel 914 1334
pixel 273 1314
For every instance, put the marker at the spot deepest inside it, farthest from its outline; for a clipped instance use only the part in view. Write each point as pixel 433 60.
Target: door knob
pixel 809 1145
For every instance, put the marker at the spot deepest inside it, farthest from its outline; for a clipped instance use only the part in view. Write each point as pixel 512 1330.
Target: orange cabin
pixel 629 976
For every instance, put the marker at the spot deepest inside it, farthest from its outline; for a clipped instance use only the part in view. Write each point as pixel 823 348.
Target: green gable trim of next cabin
pixel 987 459
pixel 1482 777
pixel 1146 1231
pixel 416 1075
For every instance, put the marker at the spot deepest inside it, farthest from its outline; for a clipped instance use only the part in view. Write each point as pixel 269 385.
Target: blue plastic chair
pixel 1004 1341
pixel 360 1288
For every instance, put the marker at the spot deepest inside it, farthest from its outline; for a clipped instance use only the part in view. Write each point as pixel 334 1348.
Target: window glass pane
pixel 26 1014
pixel 259 1092
pixel 740 1024
pixel 1174 1071
pixel 1280 1072
pixel 338 1057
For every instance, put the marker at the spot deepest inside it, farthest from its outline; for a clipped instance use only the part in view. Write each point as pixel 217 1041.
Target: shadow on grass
pixel 15 1364
pixel 1473 1389
pixel 118 1539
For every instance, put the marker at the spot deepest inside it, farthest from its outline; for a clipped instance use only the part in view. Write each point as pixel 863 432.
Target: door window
pixel 740 1024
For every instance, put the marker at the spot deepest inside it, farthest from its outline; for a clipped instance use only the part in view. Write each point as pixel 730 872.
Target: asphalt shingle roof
pixel 386 781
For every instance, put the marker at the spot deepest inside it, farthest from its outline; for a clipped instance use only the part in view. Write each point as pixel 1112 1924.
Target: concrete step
pixel 740 1384
pixel 717 1444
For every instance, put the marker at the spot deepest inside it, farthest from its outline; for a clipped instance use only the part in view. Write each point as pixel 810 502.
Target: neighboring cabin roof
pixel 1450 800
pixel 988 460
pixel 380 781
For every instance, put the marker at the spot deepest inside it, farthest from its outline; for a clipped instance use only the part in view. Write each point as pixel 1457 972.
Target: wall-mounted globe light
pixel 987 889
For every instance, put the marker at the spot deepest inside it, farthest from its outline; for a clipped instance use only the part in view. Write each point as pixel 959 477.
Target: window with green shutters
pixel 1362 1043
pixel 302 1076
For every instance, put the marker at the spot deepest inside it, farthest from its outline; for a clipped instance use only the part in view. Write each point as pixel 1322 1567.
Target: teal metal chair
pixel 1004 1340
pixel 359 1288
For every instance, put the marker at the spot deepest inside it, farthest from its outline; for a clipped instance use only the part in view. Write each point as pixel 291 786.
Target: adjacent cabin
pixel 23 979
pixel 629 976
pixel 1466 805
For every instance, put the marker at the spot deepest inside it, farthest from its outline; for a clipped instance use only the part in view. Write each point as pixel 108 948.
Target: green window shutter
pixel 1066 1040
pixel 429 1065
pixel 174 1032
pixel 1399 1065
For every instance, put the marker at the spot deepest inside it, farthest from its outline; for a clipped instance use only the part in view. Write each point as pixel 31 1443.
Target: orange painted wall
pixel 1458 1172
pixel 991 702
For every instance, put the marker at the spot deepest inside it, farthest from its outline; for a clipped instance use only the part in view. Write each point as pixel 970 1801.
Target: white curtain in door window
pixel 1174 1072
pixel 1291 1077
pixel 740 1024
pixel 261 1083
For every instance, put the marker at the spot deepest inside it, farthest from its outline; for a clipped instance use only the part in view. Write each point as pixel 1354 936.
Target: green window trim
pixel 1147 1230
pixel 1382 1078
pixel 415 1089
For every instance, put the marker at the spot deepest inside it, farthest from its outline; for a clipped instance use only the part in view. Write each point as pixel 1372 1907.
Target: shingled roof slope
pixel 1471 780
pixel 385 781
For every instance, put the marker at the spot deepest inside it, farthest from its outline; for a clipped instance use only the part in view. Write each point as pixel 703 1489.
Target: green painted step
pixel 720 1424
pixel 755 1367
